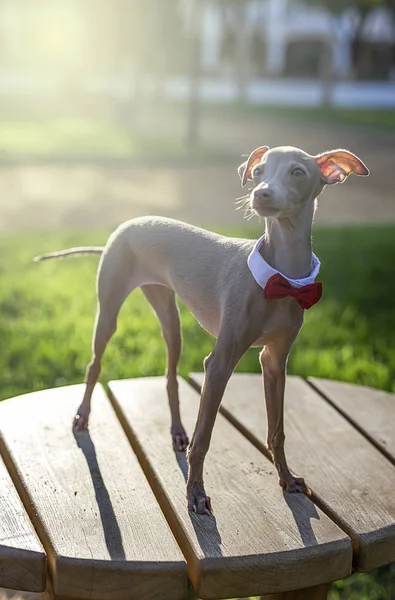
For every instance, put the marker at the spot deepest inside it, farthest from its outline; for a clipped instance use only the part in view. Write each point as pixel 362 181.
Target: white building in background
pixel 281 25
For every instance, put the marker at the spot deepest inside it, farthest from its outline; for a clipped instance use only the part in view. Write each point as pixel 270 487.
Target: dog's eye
pixel 257 171
pixel 298 171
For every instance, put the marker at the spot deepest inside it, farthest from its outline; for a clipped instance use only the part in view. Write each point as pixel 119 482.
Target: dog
pixel 246 293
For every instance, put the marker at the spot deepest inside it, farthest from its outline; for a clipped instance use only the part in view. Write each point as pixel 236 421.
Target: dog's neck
pixel 287 244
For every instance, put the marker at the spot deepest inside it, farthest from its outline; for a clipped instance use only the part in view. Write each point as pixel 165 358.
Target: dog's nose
pixel 262 193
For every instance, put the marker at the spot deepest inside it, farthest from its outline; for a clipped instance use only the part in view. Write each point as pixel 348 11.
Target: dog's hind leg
pixel 113 289
pixel 163 301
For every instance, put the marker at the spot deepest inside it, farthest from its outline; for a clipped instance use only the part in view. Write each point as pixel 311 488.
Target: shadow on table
pixel 112 533
pixel 303 510
pixel 205 528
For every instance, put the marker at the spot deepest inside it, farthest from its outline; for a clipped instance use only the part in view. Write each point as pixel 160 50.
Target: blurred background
pixel 115 109
pixel 147 106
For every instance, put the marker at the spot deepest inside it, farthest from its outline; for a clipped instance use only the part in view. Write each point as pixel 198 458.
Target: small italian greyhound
pixel 245 293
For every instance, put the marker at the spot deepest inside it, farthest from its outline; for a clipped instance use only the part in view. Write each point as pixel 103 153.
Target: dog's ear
pixel 245 168
pixel 336 165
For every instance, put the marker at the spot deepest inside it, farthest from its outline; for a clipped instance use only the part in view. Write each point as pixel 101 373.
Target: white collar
pixel 262 271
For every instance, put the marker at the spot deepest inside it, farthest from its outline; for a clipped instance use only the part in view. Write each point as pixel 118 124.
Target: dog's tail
pixel 80 251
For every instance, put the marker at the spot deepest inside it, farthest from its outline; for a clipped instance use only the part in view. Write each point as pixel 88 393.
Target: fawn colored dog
pixel 243 292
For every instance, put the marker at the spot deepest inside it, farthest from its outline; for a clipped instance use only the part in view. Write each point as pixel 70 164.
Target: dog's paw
pixel 180 440
pixel 199 502
pixel 294 485
pixel 80 423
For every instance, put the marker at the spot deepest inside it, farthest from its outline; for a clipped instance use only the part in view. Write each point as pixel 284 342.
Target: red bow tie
pixel 278 287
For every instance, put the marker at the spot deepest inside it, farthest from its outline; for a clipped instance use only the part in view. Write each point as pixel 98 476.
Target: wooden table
pixel 102 514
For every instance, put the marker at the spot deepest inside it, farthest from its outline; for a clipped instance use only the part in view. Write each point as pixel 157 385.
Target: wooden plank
pixel 319 592
pixel 258 541
pixel 22 558
pixel 369 410
pixel 100 523
pixel 349 478
pixel 7 594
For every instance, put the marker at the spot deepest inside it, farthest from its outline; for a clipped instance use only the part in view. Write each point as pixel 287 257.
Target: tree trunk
pixel 242 62
pixel 193 103
pixel 357 48
pixel 326 69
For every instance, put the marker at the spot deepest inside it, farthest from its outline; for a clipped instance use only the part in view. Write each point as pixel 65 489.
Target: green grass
pixel 380 119
pixel 80 138
pixel 46 316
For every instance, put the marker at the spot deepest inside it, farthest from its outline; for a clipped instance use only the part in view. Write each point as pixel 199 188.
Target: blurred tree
pixel 337 8
pixel 363 6
pixel 140 41
pixel 359 49
pixel 193 27
pixel 242 43
pixel 148 34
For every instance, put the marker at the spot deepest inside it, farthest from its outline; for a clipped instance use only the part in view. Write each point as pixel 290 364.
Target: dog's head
pixel 285 178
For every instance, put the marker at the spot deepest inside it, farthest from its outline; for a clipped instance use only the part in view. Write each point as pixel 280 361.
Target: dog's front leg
pixel 218 368
pixel 273 362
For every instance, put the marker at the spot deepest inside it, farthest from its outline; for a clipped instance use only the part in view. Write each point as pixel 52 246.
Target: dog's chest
pixel 204 303
pixel 283 319
pixel 208 319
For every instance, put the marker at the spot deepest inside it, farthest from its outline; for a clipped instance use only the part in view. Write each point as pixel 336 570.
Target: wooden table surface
pixel 102 514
